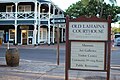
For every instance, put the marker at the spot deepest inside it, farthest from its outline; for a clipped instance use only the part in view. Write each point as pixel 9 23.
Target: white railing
pixel 7 15
pixel 20 15
pixel 44 16
pixel 27 16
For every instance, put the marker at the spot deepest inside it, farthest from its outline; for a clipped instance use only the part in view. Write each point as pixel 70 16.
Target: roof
pixel 5 1
pixel 14 1
pixel 44 0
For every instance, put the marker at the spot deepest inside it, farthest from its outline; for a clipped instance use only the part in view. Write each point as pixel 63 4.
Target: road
pixel 36 54
pixel 115 56
pixel 50 55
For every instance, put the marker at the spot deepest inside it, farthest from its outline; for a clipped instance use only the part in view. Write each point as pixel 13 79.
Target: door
pixel 30 37
pixel 24 37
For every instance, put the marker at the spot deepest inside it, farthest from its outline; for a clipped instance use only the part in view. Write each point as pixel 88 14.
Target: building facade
pixel 30 22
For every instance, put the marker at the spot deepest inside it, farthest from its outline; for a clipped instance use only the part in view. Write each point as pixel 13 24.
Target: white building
pixel 30 22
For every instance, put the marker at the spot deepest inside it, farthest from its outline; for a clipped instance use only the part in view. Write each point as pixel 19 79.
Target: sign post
pixel 88 45
pixel 58 21
pixel 58 43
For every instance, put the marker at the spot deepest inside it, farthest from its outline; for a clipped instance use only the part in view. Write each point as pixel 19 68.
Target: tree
pixel 92 9
pixel 99 2
pixel 86 2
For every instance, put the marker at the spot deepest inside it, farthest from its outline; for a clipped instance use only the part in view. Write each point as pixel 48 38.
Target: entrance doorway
pixel 24 37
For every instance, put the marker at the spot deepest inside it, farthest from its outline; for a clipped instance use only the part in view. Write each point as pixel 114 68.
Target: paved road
pixel 49 53
pixel 36 54
pixel 40 64
pixel 115 56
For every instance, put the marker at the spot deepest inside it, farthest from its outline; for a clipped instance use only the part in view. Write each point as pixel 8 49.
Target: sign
pixel 88 44
pixel 7 37
pixel 57 20
pixel 88 31
pixel 24 27
pixel 87 55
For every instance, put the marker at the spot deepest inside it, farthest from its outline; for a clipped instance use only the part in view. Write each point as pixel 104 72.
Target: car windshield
pixel 116 36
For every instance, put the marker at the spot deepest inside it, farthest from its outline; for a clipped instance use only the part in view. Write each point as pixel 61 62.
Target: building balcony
pixel 27 16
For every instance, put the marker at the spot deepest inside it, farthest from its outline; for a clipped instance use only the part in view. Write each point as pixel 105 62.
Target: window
pixel 24 8
pixel 9 8
pixel 30 33
pixel 11 34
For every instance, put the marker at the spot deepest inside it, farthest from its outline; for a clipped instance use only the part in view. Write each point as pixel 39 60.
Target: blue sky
pixel 64 4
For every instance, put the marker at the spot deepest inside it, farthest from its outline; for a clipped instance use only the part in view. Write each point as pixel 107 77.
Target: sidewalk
pixel 42 46
pixel 40 70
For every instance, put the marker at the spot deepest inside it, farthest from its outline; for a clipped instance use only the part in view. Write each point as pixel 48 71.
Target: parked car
pixel 116 35
pixel 117 41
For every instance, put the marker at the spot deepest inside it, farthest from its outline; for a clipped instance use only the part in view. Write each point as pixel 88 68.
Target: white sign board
pixel 87 55
pixel 88 31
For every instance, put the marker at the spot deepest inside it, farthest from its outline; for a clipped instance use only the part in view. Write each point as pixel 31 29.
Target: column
pixel 62 35
pixel 53 39
pixel 35 24
pixel 16 23
pixel 34 34
pixel 58 13
pixel 65 34
pixel 39 24
pixel 49 24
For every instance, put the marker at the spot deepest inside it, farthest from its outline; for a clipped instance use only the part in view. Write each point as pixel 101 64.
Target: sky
pixel 64 4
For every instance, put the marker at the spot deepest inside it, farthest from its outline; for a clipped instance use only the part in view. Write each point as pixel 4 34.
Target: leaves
pixel 93 8
pixel 85 2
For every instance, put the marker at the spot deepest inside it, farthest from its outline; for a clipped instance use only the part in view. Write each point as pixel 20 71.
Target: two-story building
pixel 26 22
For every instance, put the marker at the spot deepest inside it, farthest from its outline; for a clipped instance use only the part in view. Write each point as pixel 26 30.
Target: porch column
pixel 16 4
pixel 39 24
pixel 35 24
pixel 58 12
pixel 49 24
pixel 62 35
pixel 34 34
pixel 65 33
pixel 53 39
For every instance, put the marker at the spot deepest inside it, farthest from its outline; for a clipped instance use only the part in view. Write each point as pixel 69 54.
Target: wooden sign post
pixel 88 45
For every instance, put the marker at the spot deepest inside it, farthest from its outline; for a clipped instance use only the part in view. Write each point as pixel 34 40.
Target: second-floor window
pixel 9 9
pixel 24 8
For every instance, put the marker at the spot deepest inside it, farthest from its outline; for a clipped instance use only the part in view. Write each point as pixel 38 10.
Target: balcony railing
pixel 6 15
pixel 44 16
pixel 27 16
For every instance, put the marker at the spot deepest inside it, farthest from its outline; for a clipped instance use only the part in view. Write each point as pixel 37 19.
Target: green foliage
pixel 115 30
pixel 92 8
